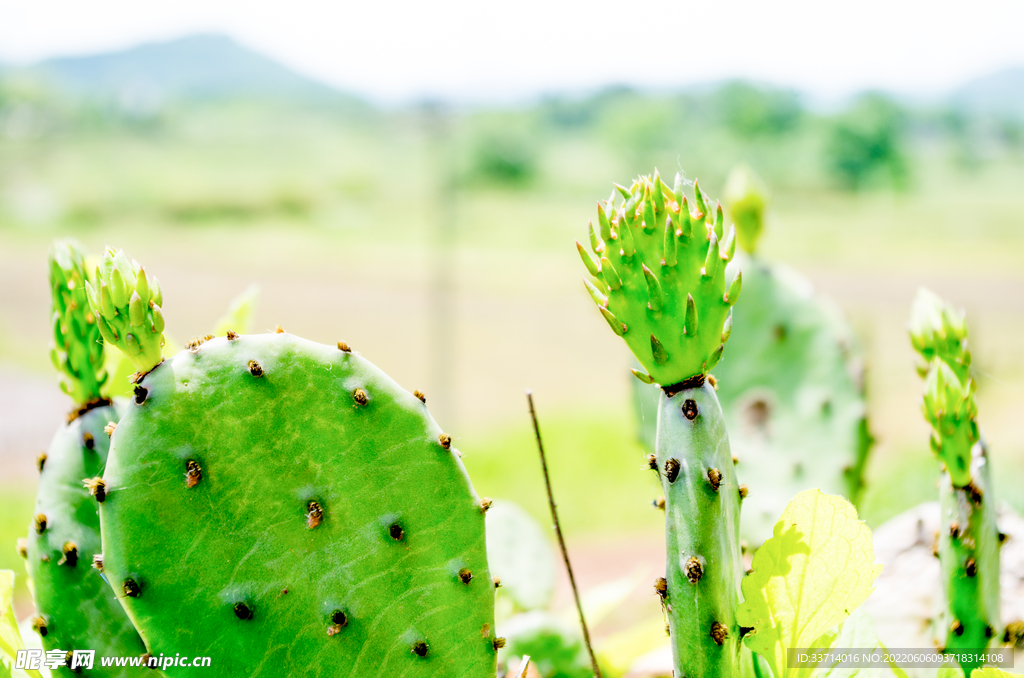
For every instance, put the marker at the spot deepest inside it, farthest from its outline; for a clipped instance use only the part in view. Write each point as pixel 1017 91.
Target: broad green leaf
pixel 818 566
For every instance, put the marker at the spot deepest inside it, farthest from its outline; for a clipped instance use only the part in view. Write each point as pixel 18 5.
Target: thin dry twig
pixel 561 540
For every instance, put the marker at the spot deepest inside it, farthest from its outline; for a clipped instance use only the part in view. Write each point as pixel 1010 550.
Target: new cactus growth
pixel 792 390
pixel 663 282
pixel 75 607
pixel 969 539
pixel 284 507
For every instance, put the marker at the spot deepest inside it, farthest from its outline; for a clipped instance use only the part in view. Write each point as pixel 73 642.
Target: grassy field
pixel 385 233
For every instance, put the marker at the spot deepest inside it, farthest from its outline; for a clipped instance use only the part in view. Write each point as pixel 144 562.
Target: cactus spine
pixel 76 609
pixel 664 283
pixel 285 508
pixel 969 539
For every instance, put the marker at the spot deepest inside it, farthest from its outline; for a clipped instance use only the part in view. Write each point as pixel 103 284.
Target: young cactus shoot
pixel 77 351
pixel 663 283
pixel 969 541
pixel 127 308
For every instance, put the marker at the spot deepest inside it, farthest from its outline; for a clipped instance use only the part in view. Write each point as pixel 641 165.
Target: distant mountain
pixel 205 66
pixel 1001 93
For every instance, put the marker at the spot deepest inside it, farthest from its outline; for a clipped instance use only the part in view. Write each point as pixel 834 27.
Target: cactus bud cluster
pixel 127 304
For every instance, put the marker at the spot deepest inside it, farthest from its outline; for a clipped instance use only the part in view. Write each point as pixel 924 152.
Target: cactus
pixel 969 539
pixel 663 281
pixel 75 607
pixel 285 508
pixel 792 391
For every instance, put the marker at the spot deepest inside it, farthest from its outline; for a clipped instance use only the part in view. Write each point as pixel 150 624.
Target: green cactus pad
pixel 661 278
pixel 126 303
pixel 285 508
pixel 792 394
pixel 75 604
pixel 77 350
pixel 702 509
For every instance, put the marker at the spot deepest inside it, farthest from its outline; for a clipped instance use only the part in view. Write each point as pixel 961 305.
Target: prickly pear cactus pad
pixel 75 607
pixel 793 396
pixel 969 542
pixel 661 277
pixel 286 509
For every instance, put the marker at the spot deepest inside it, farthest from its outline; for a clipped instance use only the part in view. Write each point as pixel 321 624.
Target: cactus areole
pixel 663 281
pixel 285 508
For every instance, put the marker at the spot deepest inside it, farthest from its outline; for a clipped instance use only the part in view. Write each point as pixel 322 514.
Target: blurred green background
pixel 438 242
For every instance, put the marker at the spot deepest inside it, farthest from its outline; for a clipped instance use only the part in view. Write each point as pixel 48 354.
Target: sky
pixel 475 50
